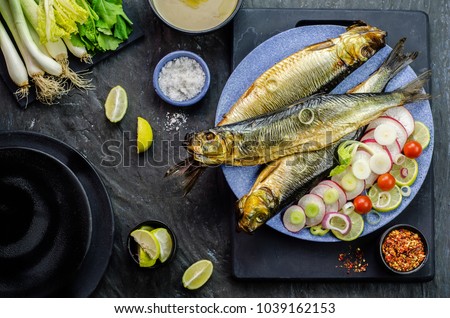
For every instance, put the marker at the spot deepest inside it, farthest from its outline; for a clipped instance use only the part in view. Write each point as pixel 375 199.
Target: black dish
pixel 133 247
pixel 45 223
pixel 96 260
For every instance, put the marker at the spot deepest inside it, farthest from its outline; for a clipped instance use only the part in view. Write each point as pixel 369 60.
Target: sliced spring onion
pixel 348 208
pixel 306 116
pixel 406 191
pixel 399 159
pixel 373 217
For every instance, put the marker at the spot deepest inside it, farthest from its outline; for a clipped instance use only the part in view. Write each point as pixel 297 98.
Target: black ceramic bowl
pixel 225 22
pixel 45 223
pixel 412 229
pixel 133 246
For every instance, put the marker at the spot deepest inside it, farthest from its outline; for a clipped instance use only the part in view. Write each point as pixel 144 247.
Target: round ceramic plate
pixel 96 260
pixel 241 179
pixel 46 225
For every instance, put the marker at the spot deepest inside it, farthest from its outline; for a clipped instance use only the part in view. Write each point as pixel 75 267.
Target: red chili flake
pixel 353 261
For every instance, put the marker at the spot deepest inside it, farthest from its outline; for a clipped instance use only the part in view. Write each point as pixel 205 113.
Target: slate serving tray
pixel 269 254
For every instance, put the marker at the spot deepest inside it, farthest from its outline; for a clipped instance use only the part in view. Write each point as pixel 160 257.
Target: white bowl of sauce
pixel 195 16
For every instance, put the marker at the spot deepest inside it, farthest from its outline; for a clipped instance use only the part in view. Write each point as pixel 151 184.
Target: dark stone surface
pixel 202 220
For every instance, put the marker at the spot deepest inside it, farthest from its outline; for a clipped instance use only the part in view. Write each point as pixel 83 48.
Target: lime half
pixel 197 274
pixel 385 201
pixel 148 242
pixel 165 243
pixel 406 173
pixel 421 134
pixel 144 259
pixel 355 230
pixel 144 135
pixel 116 104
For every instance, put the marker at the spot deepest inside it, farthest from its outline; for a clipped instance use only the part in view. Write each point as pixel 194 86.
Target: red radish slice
pixel 314 208
pixel 403 116
pixel 385 134
pixel 326 223
pixel 294 219
pixel 402 134
pixel 361 169
pixel 371 180
pixel 342 196
pixel 377 148
pixel 394 149
pixel 360 186
pixel 369 134
pixel 361 154
pixel 380 163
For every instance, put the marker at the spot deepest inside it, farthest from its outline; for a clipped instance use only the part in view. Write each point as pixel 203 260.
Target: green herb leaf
pixel 346 152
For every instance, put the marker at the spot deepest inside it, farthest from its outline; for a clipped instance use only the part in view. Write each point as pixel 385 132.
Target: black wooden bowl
pixel 413 230
pixel 45 223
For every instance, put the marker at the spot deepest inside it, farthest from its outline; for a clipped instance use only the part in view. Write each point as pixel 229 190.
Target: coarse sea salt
pixel 181 79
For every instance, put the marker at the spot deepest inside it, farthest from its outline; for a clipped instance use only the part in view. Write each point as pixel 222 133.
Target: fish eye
pixel 366 51
pixel 209 136
pixel 260 218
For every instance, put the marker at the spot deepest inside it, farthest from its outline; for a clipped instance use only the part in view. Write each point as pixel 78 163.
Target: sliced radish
pixel 314 208
pixel 369 134
pixel 377 148
pixel 326 223
pixel 359 187
pixel 294 218
pixel 385 134
pixel 402 134
pixel 394 149
pixel 380 163
pixel 403 116
pixel 371 180
pixel 342 197
pixel 329 195
pixel 361 154
pixel 361 169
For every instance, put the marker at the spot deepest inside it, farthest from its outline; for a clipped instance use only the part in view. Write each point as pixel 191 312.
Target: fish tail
pixel 413 91
pixel 397 60
pixel 190 169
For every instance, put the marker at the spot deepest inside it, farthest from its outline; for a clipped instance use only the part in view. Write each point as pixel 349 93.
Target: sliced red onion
pixel 326 222
pixel 360 186
pixel 288 224
pixel 316 200
pixel 404 172
pixel 320 189
pixel 342 196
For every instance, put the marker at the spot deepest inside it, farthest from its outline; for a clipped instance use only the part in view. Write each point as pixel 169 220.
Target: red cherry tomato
pixel 386 181
pixel 412 149
pixel 362 204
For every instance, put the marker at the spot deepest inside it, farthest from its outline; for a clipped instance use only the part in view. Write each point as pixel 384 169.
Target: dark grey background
pixel 201 220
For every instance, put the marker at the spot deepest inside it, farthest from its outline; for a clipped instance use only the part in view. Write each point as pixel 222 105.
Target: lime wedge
pixel 421 134
pixel 148 242
pixel 165 243
pixel 385 201
pixel 144 135
pixel 406 173
pixel 116 104
pixel 144 259
pixel 197 274
pixel 355 230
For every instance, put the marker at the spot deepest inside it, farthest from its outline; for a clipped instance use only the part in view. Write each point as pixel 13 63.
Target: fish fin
pixel 397 60
pixel 413 91
pixel 190 169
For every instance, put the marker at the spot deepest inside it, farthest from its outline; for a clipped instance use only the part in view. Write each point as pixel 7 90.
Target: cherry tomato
pixel 386 181
pixel 412 149
pixel 362 204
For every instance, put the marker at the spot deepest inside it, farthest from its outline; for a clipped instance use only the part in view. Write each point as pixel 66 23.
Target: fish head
pixel 209 143
pixel 255 209
pixel 360 43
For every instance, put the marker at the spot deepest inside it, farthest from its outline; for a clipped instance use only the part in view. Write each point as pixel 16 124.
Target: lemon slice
pixel 421 134
pixel 197 274
pixel 406 173
pixel 385 201
pixel 165 243
pixel 144 259
pixel 144 135
pixel 355 231
pixel 116 104
pixel 148 242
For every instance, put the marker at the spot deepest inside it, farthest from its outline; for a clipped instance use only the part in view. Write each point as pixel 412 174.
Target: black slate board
pixel 269 254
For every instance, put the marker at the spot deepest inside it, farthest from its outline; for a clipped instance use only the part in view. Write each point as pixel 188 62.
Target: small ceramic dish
pixel 170 57
pixel 171 22
pixel 133 246
pixel 397 242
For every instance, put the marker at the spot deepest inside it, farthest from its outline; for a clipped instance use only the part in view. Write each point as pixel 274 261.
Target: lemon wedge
pixel 144 135
pixel 197 274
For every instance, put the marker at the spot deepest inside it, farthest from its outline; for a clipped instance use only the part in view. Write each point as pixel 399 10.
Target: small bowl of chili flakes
pixel 403 249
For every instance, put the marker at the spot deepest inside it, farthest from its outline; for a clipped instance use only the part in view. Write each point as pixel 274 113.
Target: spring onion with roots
pixel 48 64
pixel 57 49
pixel 14 64
pixel 78 51
pixel 48 89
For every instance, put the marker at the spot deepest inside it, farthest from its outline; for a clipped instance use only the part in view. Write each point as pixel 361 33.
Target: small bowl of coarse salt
pixel 181 78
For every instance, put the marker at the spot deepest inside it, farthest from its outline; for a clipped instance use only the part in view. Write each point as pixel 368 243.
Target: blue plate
pixel 281 46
